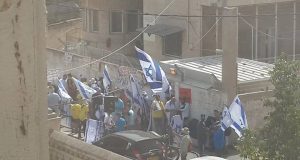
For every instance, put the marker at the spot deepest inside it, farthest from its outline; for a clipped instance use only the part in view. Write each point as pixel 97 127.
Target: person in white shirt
pixel 185 109
pixel 170 108
pixel 177 122
pixel 108 123
pixel 54 100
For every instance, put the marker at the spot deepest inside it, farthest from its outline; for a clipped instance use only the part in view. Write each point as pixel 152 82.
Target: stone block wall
pixel 63 147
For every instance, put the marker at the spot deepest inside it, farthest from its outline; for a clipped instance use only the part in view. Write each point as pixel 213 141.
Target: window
pixel 93 21
pixel 116 22
pixel 132 20
pixel 172 44
pixel 115 144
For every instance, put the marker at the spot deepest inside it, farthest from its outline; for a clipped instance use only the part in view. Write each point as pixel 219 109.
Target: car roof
pixel 135 135
pixel 208 158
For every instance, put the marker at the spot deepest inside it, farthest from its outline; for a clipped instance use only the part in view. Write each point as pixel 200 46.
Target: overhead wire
pixel 161 14
pixel 248 23
pixel 212 27
pixel 117 50
pixel 191 16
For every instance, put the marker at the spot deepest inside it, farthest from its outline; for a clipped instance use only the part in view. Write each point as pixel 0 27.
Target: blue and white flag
pixel 226 121
pixel 63 93
pixel 136 92
pixel 238 116
pixel 154 74
pixel 106 79
pixel 85 91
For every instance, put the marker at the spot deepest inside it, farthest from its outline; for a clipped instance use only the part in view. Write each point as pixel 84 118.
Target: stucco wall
pixel 23 116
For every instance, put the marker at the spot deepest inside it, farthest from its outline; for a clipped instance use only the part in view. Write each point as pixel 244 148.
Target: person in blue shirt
pixel 120 123
pixel 119 106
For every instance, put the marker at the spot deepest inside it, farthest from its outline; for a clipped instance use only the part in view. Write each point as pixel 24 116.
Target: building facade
pixel 266 28
pixel 109 24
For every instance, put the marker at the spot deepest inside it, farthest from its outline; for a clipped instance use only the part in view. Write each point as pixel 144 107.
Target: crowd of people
pixel 168 116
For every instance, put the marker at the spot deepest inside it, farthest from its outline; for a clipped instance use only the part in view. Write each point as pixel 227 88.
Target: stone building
pixel 23 116
pixel 109 24
pixel 194 28
pixel 62 10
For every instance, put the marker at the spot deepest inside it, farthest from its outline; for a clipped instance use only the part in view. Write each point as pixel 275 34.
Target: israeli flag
pixel 154 74
pixel 226 121
pixel 62 91
pixel 238 116
pixel 85 91
pixel 135 88
pixel 106 79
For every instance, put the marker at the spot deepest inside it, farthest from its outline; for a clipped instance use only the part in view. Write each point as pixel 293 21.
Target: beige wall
pixel 254 107
pixel 23 116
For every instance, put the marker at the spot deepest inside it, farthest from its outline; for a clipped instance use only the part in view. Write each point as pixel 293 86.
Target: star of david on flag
pixel 154 74
pixel 149 71
pixel 234 117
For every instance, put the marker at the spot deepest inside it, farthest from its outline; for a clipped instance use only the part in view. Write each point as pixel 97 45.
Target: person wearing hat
pixel 186 143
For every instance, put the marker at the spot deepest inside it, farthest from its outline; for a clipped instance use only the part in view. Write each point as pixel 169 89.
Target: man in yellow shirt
pixel 79 112
pixel 83 116
pixel 158 115
pixel 75 121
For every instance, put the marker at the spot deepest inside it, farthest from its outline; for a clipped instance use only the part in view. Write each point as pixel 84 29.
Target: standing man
pixel 186 143
pixel 185 110
pixel 120 123
pixel 53 100
pixel 170 109
pixel 201 134
pixel 146 111
pixel 119 106
pixel 63 81
pixel 83 116
pixel 158 115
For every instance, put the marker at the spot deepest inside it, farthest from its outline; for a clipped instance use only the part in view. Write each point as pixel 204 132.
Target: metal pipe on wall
pixel 256 31
pixel 276 31
pixel 217 29
pixel 294 31
pixel 188 21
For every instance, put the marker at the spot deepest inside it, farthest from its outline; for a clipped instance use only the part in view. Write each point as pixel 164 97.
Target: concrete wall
pixel 56 65
pixel 58 34
pixel 254 107
pixel 240 2
pixel 196 27
pixel 104 35
pixel 192 26
pixel 23 116
pixel 63 147
pixel 62 10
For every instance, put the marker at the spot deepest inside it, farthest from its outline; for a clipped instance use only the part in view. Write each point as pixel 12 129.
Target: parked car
pixel 133 144
pixel 208 158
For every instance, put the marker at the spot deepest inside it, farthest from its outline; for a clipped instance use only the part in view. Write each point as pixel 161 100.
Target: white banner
pixel 94 130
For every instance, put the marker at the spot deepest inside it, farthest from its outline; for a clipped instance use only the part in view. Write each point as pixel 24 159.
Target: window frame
pixel 164 38
pixel 138 20
pixel 110 22
pixel 91 27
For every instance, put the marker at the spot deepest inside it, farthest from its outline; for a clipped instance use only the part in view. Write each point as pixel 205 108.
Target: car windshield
pixel 147 145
